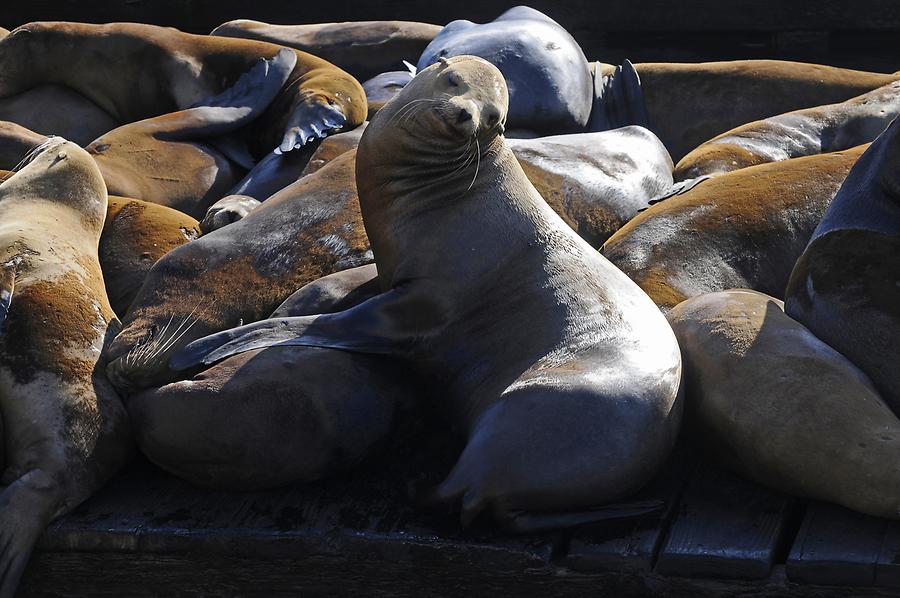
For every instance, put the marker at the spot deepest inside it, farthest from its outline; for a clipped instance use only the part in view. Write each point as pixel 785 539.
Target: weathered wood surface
pixel 727 527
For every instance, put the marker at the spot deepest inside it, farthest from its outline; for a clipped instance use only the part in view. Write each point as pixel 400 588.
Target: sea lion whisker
pixel 170 342
pixel 155 339
pixel 409 106
pixel 30 155
pixel 477 165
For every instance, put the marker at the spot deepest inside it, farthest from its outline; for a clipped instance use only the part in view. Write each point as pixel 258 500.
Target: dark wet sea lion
pixel 743 229
pixel 804 132
pixel 362 48
pixel 241 272
pixel 778 405
pixel 383 87
pixel 846 286
pixel 562 374
pixel 15 143
pixel 689 104
pixel 136 234
pixel 162 70
pixel 549 79
pixel 65 431
pixel 270 417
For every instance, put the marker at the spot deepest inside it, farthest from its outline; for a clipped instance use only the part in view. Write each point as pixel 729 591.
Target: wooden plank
pixel 726 527
pixel 887 569
pixel 632 544
pixel 836 546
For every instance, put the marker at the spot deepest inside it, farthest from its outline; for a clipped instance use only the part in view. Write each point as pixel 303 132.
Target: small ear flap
pixel 7 285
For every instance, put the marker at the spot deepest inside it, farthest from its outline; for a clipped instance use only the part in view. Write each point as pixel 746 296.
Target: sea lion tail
pixel 26 507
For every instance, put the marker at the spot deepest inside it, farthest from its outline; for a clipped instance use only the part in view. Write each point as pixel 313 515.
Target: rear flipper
pixel 26 507
pixel 314 118
pixel 618 100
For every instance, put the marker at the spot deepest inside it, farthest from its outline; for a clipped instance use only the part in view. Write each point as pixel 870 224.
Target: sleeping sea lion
pixel 65 431
pixel 846 286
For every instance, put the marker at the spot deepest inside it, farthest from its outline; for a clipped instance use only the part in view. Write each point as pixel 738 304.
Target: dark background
pixel 861 33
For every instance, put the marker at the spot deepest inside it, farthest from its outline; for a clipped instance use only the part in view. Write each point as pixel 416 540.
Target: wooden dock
pixel 361 533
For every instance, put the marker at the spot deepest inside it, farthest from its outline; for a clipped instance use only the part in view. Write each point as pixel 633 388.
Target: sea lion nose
pixel 492 117
pixel 463 116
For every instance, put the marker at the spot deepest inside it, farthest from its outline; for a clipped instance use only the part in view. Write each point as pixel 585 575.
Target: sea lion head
pixel 425 148
pixel 60 171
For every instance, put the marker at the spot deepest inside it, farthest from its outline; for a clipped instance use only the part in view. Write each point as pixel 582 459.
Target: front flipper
pixel 386 324
pixel 7 286
pixel 314 118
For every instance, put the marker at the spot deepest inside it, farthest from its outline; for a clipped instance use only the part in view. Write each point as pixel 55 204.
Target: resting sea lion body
pixel 743 229
pixel 805 132
pixel 688 104
pixel 383 87
pixel 162 70
pixel 136 234
pixel 549 79
pixel 241 272
pixel 560 371
pixel 363 48
pixel 846 286
pixel 782 407
pixel 52 109
pixel 64 429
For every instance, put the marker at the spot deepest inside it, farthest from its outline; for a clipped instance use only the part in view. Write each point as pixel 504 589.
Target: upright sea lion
pixel 65 431
pixel 161 70
pixel 744 229
pixel 782 407
pixel 688 104
pixel 362 48
pixel 136 234
pixel 805 132
pixel 560 371
pixel 549 79
pixel 846 286
pixel 241 272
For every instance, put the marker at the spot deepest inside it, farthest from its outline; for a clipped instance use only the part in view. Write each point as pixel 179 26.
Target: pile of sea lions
pixel 245 253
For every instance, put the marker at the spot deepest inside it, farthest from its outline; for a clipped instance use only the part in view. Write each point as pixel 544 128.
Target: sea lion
pixel 846 286
pixel 805 132
pixel 65 431
pixel 135 235
pixel 52 109
pixel 383 87
pixel 595 181
pixel 227 210
pixel 174 159
pixel 550 85
pixel 743 229
pixel 161 70
pixel 783 408
pixel 270 417
pixel 562 374
pixel 688 104
pixel 241 272
pixel 363 48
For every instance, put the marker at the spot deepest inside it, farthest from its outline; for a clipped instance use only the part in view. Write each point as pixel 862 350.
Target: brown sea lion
pixel 846 286
pixel 688 104
pixel 559 370
pixel 362 48
pixel 65 431
pixel 743 229
pixel 161 70
pixel 783 408
pixel 136 234
pixel 241 272
pixel 174 159
pixel 805 132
